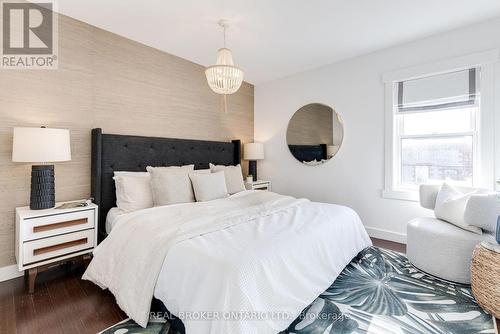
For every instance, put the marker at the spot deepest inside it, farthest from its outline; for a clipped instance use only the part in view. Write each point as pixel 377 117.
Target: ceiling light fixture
pixel 223 77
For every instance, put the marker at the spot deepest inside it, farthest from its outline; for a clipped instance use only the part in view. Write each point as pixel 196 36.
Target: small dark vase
pixel 498 230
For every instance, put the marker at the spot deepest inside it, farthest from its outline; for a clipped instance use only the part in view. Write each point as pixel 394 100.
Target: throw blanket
pixel 129 260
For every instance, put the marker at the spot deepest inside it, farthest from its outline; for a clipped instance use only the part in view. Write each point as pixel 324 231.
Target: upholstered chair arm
pixel 428 194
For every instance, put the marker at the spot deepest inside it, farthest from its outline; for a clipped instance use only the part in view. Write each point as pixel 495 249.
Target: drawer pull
pixel 48 227
pixel 53 248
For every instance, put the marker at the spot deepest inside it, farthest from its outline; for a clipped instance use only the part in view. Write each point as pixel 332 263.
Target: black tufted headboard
pixel 308 152
pixel 134 153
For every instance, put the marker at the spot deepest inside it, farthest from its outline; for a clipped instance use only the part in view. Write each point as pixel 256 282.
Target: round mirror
pixel 314 134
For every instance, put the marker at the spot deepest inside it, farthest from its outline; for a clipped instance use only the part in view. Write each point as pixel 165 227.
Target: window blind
pixel 448 90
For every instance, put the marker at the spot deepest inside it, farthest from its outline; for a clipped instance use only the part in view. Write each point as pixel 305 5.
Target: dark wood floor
pixel 63 303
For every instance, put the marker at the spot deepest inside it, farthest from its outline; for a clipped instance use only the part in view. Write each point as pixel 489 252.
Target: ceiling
pixel 275 38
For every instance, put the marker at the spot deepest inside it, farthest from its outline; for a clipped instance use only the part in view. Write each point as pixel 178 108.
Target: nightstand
pixel 45 238
pixel 258 185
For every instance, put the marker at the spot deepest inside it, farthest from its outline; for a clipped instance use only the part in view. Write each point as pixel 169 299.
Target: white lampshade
pixel 41 145
pixel 253 151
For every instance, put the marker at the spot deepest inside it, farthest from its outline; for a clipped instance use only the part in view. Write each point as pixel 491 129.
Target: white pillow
pixel 208 187
pixel 133 191
pixel 450 206
pixel 233 175
pixel 171 185
pixel 202 171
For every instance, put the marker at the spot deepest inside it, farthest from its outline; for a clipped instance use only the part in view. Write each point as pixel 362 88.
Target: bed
pixel 249 263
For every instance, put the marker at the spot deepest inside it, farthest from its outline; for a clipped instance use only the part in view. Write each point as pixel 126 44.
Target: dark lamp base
pixel 42 187
pixel 252 169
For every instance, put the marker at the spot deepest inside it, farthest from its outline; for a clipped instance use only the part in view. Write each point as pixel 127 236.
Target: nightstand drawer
pixel 42 249
pixel 263 186
pixel 41 227
pixel 258 185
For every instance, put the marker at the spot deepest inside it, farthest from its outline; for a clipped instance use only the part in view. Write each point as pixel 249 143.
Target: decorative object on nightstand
pixel 253 152
pixel 498 230
pixel 494 243
pixel 485 277
pixel 45 238
pixel 41 145
pixel 258 185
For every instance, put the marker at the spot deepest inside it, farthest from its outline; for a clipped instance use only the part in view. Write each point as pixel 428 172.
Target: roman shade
pixel 448 90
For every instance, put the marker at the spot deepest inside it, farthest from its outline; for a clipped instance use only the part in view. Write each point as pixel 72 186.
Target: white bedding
pixel 274 264
pixel 115 213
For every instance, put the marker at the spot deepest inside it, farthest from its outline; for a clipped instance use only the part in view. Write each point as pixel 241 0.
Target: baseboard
pixel 386 235
pixel 9 272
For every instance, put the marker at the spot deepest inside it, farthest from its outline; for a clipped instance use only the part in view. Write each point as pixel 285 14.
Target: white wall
pixel 354 88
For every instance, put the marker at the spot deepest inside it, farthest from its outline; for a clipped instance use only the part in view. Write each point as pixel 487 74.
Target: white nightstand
pixel 258 185
pixel 48 237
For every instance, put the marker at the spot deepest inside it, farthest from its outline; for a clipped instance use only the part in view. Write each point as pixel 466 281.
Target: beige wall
pixel 311 125
pixel 107 81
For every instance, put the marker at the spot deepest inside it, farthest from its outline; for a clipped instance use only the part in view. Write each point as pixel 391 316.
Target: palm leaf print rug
pixel 379 292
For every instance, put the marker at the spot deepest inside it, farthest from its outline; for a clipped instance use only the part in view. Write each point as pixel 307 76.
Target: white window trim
pixel 485 158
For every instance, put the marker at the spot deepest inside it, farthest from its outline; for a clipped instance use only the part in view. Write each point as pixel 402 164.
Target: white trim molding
pixel 10 272
pixel 386 234
pixel 486 126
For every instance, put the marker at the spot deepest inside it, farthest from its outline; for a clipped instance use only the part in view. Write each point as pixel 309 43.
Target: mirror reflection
pixel 315 133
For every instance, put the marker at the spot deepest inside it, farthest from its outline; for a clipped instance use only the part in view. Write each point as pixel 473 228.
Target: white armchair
pixel 443 249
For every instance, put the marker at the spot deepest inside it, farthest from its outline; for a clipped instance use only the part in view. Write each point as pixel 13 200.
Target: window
pixel 440 125
pixel 436 137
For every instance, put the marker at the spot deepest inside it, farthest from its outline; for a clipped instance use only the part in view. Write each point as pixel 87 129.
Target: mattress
pixel 111 218
pixel 242 270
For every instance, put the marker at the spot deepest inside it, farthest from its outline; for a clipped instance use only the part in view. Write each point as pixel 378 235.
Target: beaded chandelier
pixel 224 77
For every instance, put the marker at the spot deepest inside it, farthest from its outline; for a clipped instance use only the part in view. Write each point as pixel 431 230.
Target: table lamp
pixel 41 145
pixel 253 152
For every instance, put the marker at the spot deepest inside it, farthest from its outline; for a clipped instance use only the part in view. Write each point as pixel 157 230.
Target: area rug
pixel 379 292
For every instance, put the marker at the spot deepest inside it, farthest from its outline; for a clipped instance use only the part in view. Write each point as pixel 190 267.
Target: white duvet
pixel 246 264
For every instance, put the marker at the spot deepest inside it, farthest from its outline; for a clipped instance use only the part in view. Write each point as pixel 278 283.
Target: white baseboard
pixel 9 272
pixel 386 235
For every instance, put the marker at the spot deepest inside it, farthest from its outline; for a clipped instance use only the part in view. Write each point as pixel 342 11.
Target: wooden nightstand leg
pixel 86 259
pixel 31 279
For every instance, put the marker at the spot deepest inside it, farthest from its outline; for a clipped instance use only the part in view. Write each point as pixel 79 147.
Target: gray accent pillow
pixel 482 210
pixel 171 185
pixel 208 187
pixel 233 176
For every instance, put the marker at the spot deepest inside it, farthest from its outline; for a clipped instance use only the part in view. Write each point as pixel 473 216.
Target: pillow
pixel 233 176
pixel 450 206
pixel 208 187
pixel 202 171
pixel 133 191
pixel 171 185
pixel 482 210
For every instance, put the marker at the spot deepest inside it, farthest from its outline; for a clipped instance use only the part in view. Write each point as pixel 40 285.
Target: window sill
pixel 403 195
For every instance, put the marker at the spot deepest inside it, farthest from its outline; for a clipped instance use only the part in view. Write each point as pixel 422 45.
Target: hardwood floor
pixel 395 246
pixel 63 303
